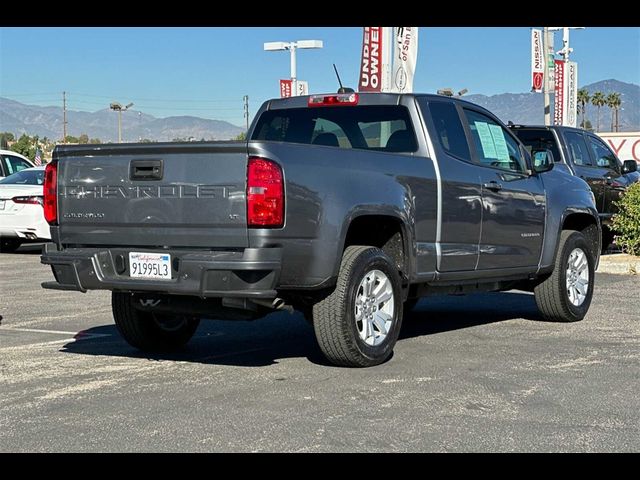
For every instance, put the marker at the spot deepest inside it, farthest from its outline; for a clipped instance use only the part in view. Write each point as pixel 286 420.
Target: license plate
pixel 1 204
pixel 150 265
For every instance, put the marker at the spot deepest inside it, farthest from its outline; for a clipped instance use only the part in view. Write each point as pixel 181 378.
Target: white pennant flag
pixel 405 56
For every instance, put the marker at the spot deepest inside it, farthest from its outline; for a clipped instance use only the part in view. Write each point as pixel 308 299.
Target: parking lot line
pixel 58 332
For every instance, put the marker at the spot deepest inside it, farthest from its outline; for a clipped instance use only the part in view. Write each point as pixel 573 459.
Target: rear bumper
pixel 247 273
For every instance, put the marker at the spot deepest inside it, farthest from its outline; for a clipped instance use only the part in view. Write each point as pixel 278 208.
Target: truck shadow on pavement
pixel 281 335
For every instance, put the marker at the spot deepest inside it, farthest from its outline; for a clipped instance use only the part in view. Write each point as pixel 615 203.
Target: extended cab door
pixel 513 201
pixel 461 198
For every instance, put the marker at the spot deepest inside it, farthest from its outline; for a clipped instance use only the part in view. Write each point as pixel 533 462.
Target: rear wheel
pixel 565 296
pixel 358 324
pixel 607 239
pixel 149 331
pixel 8 245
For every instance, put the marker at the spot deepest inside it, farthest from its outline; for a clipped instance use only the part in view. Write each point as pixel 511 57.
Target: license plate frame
pixel 150 266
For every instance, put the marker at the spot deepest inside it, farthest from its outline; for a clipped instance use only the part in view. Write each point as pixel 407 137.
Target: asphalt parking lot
pixel 476 373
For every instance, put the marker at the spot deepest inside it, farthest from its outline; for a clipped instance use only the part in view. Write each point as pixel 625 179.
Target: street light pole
pixel 292 47
pixel 117 107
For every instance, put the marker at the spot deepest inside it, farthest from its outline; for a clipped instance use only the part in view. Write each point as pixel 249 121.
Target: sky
pixel 205 71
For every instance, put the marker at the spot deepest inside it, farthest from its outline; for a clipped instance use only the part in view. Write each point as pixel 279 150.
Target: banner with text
pixel 285 88
pixel 571 94
pixel 405 56
pixel 558 101
pixel 374 64
pixel 537 61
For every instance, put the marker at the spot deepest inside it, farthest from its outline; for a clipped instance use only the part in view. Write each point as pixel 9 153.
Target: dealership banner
pixel 375 69
pixel 571 94
pixel 405 56
pixel 285 88
pixel 558 103
pixel 537 61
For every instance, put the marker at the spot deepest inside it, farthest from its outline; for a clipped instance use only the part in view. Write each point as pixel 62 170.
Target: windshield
pixel 25 177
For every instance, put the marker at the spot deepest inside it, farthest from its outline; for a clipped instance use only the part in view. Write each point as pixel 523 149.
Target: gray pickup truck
pixel 587 156
pixel 346 207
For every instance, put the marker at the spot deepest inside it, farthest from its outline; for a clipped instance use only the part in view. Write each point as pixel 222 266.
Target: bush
pixel 626 222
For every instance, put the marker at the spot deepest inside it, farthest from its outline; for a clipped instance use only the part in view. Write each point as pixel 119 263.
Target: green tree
pixel 627 221
pixel 587 126
pixel 84 138
pixel 614 102
pixel 71 139
pixel 95 140
pixel 583 100
pixel 5 138
pixel 598 100
pixel 146 140
pixel 26 146
pixel 241 137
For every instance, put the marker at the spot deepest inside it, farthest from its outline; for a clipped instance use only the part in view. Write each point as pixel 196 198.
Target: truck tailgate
pixel 164 194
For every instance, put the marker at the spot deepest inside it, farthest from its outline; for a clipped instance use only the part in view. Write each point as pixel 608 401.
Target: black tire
pixel 552 295
pixel 607 239
pixel 148 331
pixel 334 318
pixel 9 245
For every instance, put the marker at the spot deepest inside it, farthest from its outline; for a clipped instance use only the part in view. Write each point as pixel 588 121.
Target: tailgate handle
pixel 145 170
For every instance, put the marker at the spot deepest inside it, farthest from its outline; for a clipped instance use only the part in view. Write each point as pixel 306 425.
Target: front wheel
pixel 149 331
pixel 565 296
pixel 358 324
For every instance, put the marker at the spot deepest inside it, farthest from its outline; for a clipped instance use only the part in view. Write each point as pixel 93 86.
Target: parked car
pixel 344 207
pixel 585 155
pixel 21 209
pixel 12 162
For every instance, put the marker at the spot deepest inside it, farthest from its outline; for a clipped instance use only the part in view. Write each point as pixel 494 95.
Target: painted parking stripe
pixel 81 333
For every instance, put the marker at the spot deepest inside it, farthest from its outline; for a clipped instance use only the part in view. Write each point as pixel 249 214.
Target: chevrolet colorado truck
pixel 585 155
pixel 347 207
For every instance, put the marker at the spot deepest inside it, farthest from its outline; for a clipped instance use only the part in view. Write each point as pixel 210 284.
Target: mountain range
pixel 528 108
pixel 20 118
pixel 520 108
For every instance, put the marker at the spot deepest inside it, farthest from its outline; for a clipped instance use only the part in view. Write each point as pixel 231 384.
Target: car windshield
pixel 25 177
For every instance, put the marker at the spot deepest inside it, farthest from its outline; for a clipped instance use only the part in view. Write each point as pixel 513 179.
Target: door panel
pixel 513 201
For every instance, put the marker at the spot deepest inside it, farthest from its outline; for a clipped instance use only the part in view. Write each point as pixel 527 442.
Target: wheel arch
pixel 386 230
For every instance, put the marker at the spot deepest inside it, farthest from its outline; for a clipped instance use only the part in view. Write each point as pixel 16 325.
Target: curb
pixel 619 264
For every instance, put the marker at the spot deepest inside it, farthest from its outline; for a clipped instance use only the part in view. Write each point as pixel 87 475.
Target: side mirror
pixel 542 160
pixel 629 166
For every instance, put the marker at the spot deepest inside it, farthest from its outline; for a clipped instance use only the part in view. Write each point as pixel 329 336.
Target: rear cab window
pixel 448 127
pixel 385 128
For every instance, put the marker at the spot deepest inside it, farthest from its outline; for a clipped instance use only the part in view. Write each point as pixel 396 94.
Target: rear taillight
pixel 333 100
pixel 33 200
pixel 265 194
pixel 51 193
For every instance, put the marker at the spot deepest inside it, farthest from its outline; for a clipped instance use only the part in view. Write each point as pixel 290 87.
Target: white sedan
pixel 21 212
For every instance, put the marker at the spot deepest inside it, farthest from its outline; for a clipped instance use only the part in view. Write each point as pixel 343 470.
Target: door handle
pixel 492 185
pixel 145 170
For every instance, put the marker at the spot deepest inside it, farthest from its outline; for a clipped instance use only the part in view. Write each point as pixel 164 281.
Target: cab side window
pixel 578 149
pixel 13 164
pixel 604 157
pixel 494 145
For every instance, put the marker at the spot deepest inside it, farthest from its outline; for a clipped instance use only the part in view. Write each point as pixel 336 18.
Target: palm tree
pixel 583 99
pixel 614 101
pixel 598 100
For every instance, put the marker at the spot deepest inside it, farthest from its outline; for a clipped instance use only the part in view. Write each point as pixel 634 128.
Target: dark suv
pixel 587 156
